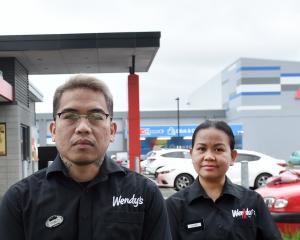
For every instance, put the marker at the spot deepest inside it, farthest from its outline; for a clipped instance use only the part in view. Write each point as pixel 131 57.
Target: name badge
pixel 194 226
pixel 54 221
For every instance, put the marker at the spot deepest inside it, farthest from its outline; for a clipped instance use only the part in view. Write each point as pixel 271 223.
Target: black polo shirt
pixel 117 204
pixel 239 213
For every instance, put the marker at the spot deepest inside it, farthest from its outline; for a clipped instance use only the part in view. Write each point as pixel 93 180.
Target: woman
pixel 213 207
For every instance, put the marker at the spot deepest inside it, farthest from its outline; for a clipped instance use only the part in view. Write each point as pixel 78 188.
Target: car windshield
pixel 288 176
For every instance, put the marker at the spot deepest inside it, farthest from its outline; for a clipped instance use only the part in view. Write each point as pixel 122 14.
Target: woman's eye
pixel 219 150
pixel 201 149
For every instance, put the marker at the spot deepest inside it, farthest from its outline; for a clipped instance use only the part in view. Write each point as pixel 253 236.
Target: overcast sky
pixel 199 38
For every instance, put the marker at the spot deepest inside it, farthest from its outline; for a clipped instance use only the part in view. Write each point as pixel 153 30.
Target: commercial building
pixel 264 97
pixel 260 99
pixel 24 55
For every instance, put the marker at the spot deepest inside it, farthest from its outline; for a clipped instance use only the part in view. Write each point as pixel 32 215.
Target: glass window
pixel 173 155
pixel 187 155
pixel 246 157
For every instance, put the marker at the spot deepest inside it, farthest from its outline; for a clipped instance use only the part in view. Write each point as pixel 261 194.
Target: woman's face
pixel 211 154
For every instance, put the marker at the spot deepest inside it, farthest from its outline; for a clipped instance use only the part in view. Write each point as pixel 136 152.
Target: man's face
pixel 84 141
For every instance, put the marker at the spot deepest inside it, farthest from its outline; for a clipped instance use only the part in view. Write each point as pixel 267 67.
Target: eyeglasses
pixel 73 117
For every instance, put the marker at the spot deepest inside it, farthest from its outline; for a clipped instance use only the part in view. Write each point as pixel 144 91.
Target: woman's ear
pixel 233 156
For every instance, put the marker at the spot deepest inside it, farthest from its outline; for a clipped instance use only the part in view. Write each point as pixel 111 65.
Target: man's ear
pixel 113 130
pixel 52 128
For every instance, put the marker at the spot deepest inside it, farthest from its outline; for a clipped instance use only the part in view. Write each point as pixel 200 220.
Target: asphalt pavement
pixel 166 192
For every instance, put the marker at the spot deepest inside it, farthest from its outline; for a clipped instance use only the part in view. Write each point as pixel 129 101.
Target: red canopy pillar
pixel 133 119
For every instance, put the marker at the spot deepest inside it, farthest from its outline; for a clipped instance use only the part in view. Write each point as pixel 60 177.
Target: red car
pixel 282 196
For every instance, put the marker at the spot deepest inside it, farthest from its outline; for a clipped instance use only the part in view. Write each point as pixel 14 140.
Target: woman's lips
pixel 209 167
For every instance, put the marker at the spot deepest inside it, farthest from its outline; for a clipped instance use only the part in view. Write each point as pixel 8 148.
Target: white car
pixel 163 157
pixel 121 158
pixel 260 168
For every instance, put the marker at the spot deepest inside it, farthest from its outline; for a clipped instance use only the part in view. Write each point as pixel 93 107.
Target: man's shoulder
pixel 25 185
pixel 136 178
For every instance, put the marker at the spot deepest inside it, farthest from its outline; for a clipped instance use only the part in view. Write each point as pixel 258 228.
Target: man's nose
pixel 83 125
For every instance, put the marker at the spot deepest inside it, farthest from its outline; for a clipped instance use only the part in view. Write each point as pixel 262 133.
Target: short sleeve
pixel 173 208
pixel 11 225
pixel 156 224
pixel 264 219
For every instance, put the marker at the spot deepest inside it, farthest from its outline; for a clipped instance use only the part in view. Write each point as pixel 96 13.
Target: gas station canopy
pixel 82 53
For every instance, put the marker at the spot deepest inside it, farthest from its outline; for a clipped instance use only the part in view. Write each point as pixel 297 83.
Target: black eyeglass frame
pixel 60 113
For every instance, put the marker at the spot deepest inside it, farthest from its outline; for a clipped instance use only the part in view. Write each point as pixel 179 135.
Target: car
pixel 162 157
pixel 121 158
pixel 282 196
pixel 260 168
pixel 145 161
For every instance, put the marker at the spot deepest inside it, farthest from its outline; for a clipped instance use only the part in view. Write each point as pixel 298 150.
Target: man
pixel 83 194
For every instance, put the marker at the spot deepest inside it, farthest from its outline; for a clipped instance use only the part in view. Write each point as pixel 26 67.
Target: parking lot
pixel 166 192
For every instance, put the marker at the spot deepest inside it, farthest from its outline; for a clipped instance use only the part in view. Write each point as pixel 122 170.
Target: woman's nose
pixel 209 155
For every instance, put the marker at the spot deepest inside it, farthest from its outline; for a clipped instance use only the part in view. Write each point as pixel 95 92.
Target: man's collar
pixel 107 167
pixel 57 166
pixel 197 191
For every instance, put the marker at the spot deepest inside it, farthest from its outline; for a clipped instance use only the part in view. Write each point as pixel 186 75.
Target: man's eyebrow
pixel 69 110
pixel 97 110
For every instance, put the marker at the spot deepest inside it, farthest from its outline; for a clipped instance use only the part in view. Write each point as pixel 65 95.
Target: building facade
pixel 263 96
pixel 17 124
pixel 260 101
pixel 157 129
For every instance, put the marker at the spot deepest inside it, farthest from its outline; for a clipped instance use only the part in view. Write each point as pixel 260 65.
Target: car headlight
pixel 269 201
pixel 280 203
pixel 166 171
pixel 276 203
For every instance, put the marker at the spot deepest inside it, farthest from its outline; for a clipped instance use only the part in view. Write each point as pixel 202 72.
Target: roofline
pixel 79 40
pixel 35 94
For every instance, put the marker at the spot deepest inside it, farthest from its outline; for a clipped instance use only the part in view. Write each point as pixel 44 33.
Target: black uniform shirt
pixel 239 213
pixel 117 204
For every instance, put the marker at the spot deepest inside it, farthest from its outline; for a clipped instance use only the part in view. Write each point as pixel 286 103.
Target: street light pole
pixel 177 99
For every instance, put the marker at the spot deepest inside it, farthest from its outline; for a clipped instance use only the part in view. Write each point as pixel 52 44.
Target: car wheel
pixel 182 181
pixel 261 180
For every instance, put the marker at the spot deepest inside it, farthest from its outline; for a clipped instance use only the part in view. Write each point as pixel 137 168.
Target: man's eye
pixel 96 116
pixel 70 116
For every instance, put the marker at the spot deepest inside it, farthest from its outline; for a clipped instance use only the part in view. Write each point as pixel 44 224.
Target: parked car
pixel 282 197
pixel 145 160
pixel 121 158
pixel 163 157
pixel 260 166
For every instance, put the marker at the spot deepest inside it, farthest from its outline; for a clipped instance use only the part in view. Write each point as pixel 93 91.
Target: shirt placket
pixel 85 216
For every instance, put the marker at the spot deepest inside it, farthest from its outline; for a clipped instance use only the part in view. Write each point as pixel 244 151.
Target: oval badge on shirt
pixel 54 221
